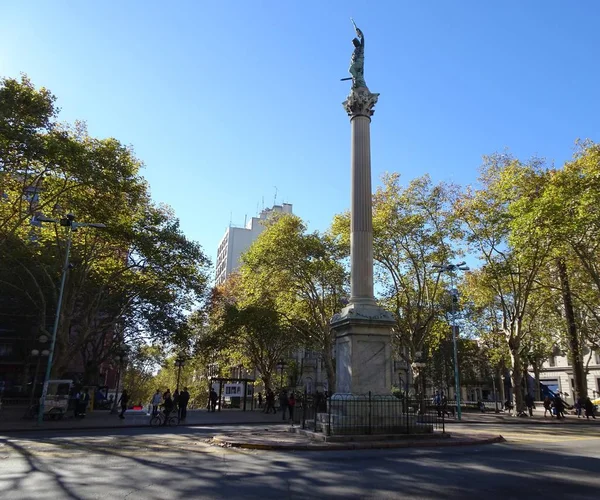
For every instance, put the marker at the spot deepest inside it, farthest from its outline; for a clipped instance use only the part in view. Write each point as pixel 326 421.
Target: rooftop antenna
pixel 275 197
pixel 257 208
pixel 230 217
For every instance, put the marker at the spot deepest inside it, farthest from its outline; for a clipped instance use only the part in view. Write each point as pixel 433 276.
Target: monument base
pixel 350 414
pixel 363 350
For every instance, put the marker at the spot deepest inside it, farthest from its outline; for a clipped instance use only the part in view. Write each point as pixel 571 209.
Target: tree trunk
pixel 536 373
pixel 572 334
pixel 500 385
pixel 517 377
pixel 266 378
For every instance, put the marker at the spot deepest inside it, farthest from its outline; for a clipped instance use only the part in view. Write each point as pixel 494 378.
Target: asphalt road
pixel 535 462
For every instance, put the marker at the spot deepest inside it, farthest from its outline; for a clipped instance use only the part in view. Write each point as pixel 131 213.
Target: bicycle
pixel 159 419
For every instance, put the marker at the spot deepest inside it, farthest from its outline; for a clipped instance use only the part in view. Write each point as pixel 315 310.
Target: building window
pixel 597 356
pixel 6 350
pixel 552 361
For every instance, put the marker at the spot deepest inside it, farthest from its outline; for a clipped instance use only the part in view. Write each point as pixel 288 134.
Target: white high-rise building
pixel 238 239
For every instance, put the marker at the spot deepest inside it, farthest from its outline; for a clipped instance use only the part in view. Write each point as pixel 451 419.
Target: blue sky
pixel 224 100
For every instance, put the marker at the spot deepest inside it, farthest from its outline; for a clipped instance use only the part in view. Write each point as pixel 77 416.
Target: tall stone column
pixel 363 329
pixel 359 106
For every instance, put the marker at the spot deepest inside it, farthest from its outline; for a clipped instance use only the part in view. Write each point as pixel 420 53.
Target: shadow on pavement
pixel 164 466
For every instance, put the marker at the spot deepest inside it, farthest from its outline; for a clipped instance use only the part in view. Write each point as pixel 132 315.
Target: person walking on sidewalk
pixel 260 400
pixel 124 399
pixel 547 406
pixel 156 399
pixel 283 403
pixel 270 402
pixel 213 396
pixel 291 405
pixel 184 399
pixel 167 406
pixel 589 408
pixel 176 401
pixel 529 403
pixel 559 406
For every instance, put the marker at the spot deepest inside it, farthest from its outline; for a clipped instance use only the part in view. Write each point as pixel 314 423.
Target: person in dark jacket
pixel 589 408
pixel 270 399
pixel 167 406
pixel 529 403
pixel 124 399
pixel 176 401
pixel 184 399
pixel 283 403
pixel 213 398
pixel 559 406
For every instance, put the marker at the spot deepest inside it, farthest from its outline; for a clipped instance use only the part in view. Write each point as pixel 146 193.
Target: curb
pixel 506 421
pixel 377 445
pixel 128 426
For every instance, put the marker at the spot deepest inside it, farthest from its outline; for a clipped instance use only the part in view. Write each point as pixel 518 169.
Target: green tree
pixel 509 272
pixel 248 332
pixel 134 281
pixel 301 275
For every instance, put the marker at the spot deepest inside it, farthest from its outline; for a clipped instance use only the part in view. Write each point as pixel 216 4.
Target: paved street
pixel 536 461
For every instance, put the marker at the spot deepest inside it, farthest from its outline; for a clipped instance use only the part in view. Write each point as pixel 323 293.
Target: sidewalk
pixel 103 419
pixel 283 439
pixel 490 417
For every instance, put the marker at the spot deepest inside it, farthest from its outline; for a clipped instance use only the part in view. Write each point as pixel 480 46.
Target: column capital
pixel 360 102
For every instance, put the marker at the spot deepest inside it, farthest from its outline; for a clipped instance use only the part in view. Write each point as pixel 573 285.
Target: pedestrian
pixel 84 401
pixel 156 399
pixel 124 399
pixel 547 406
pixel 529 403
pixel 167 406
pixel 445 410
pixel 559 406
pixel 589 408
pixel 176 401
pixel 579 404
pixel 184 399
pixel 437 401
pixel 283 403
pixel 260 399
pixel 76 396
pixel 291 405
pixel 270 402
pixel 213 397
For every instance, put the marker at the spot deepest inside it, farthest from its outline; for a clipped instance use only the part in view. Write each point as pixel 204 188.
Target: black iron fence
pixel 373 414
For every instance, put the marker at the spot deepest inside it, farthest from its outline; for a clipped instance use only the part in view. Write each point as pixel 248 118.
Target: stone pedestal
pixel 363 350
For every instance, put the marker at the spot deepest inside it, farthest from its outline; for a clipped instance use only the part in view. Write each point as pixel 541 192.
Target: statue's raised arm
pixel 357 62
pixel 359 33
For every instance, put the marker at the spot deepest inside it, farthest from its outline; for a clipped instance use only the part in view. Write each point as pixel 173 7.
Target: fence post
pixel 328 403
pixel 370 408
pixel 443 422
pixel 407 406
pixel 304 403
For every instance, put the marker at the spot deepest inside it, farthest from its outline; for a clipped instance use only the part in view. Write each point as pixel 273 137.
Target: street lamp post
pixel 122 358
pixel 179 363
pixel 451 269
pixel 495 395
pixel 71 225
pixel 38 353
pixel 281 366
